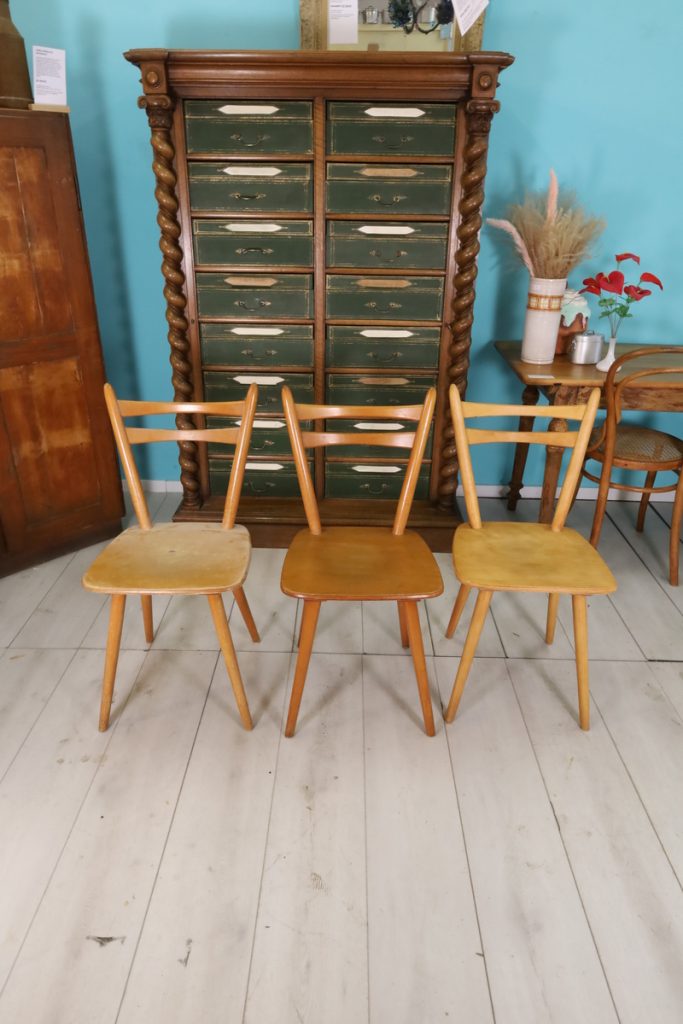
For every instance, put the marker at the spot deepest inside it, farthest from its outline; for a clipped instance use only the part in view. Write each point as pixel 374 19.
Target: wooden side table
pixel 565 383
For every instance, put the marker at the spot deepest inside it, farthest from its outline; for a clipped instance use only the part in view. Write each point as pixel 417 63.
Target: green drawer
pixel 383 347
pixel 253 188
pixel 376 188
pixel 387 245
pixel 384 298
pixel 420 129
pixel 368 451
pixel 255 295
pixel 248 126
pixel 268 438
pixel 249 345
pixel 220 386
pixel 365 480
pixel 254 243
pixel 261 478
pixel 365 389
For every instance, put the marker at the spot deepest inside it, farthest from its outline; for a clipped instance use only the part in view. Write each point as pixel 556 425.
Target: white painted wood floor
pixel 178 869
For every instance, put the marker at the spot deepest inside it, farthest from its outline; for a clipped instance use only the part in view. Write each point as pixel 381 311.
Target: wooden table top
pixel 562 371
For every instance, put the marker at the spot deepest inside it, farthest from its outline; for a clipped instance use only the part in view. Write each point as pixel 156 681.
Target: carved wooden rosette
pixel 159 109
pixel 479 114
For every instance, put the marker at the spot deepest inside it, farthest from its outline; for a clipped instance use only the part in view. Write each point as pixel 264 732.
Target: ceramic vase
pixel 609 357
pixel 543 312
pixel 15 85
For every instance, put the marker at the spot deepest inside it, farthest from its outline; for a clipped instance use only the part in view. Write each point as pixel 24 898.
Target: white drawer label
pixel 394 112
pixel 369 333
pixel 247 108
pixel 252 172
pixel 250 331
pixel 264 467
pixel 265 381
pixel 378 426
pixel 381 229
pixel 256 228
pixel 376 469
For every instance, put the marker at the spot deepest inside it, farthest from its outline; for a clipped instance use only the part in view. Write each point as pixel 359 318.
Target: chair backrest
pixel 126 436
pixel 416 440
pixel 671 367
pixel 465 436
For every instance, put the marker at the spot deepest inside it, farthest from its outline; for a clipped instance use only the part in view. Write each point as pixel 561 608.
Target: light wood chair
pixel 533 557
pixel 360 563
pixel 635 447
pixel 176 558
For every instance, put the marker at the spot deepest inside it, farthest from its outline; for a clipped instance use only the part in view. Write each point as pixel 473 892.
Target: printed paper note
pixel 49 76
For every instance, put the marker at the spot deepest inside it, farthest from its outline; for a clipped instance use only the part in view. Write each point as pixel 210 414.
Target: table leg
pixel 551 476
pixel 529 397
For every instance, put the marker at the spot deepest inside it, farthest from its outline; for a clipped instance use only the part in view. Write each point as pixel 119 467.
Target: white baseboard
pixel 483 490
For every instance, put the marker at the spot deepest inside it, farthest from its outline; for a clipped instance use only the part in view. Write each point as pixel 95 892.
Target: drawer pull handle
pixel 261 447
pixel 249 145
pixel 383 309
pixel 260 304
pixel 383 141
pixel 394 200
pixel 254 248
pixel 247 197
pixel 377 253
pixel 378 488
pixel 379 358
pixel 258 488
pixel 249 352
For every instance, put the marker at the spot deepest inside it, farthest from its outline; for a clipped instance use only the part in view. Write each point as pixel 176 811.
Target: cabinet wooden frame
pixel 467 80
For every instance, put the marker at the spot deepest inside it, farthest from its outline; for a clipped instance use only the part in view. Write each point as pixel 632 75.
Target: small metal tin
pixel 586 348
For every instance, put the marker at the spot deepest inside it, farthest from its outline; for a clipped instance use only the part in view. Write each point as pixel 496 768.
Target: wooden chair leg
pixel 118 607
pixel 460 602
pixel 403 624
pixel 471 641
pixel 553 601
pixel 412 617
pixel 220 622
pixel 147 616
pixel 600 506
pixel 243 605
pixel 581 651
pixel 309 621
pixel 675 537
pixel 649 482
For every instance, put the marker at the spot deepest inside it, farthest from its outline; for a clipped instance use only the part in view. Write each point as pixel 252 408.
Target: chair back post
pixel 464 459
pixel 564 502
pixel 239 462
pixel 127 459
pixel 407 494
pixel 301 463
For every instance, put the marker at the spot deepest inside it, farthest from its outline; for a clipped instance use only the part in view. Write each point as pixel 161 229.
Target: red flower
pixel 652 280
pixel 612 283
pixel 636 293
pixel 627 256
pixel 592 286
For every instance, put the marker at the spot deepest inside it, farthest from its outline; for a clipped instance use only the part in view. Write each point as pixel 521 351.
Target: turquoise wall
pixel 595 93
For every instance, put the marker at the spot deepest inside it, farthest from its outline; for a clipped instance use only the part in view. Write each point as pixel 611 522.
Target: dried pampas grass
pixel 552 234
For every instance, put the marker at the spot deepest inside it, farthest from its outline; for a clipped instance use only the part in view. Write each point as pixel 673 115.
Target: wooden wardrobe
pixel 319 217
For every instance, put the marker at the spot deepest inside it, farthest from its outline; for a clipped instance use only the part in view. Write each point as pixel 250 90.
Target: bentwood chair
pixel 634 447
pixel 533 557
pixel 176 558
pixel 360 563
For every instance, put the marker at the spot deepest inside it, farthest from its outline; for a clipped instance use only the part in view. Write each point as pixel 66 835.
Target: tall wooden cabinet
pixel 59 480
pixel 319 218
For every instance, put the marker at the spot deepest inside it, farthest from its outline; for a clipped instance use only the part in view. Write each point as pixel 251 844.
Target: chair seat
pixel 529 557
pixel 635 444
pixel 358 563
pixel 173 558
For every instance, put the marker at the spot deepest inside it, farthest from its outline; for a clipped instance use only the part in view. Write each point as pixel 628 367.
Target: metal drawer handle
pixel 260 304
pixel 383 309
pixel 245 197
pixel 249 145
pixel 377 253
pixel 392 145
pixel 261 447
pixel 394 200
pixel 254 248
pixel 251 485
pixel 379 358
pixel 378 488
pixel 252 355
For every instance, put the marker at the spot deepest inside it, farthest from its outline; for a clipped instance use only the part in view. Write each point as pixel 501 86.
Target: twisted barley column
pixel 159 110
pixel 479 116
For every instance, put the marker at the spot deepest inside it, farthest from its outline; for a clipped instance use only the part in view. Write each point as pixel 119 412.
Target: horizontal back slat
pixel 312 439
pixel 563 412
pixel 135 408
pixel 144 435
pixel 378 412
pixel 558 438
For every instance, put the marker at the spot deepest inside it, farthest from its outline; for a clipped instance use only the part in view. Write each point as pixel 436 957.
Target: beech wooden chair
pixel 634 447
pixel 176 558
pixel 360 563
pixel 533 557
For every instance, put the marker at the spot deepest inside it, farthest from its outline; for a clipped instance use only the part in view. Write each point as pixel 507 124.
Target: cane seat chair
pixel 527 557
pixel 176 558
pixel 360 563
pixel 636 447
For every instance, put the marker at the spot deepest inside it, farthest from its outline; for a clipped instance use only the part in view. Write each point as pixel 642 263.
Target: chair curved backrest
pixel 465 436
pixel 415 440
pixel 125 437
